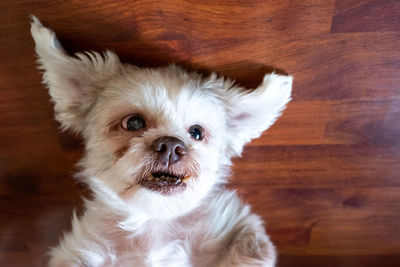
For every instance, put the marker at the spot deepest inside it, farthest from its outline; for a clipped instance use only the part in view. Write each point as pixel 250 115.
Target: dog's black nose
pixel 169 150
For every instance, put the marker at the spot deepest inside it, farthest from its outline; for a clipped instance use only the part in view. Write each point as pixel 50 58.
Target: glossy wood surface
pixel 325 177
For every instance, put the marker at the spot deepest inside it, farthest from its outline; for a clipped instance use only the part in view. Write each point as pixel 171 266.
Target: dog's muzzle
pixel 169 151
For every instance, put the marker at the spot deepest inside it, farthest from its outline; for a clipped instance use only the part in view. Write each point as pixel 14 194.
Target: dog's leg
pixel 250 246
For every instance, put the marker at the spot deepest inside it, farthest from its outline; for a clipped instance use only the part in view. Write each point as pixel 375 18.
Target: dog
pixel 158 148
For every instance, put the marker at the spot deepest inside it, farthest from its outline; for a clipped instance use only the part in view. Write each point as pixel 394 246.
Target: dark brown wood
pixel 325 177
pixel 366 16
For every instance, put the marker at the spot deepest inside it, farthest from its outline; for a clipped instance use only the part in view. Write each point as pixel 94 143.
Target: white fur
pixel 126 224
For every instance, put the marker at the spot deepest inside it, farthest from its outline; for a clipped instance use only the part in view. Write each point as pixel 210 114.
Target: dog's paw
pixel 250 249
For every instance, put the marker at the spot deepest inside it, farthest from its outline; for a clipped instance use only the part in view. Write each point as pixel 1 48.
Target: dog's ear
pixel 252 112
pixel 73 82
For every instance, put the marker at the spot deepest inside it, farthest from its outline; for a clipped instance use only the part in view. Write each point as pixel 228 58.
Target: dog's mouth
pixel 164 182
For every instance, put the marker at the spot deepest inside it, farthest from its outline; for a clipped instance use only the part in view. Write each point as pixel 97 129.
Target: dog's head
pixel 162 138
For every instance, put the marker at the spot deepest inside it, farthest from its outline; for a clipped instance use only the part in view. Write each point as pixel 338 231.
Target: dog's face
pixel 160 139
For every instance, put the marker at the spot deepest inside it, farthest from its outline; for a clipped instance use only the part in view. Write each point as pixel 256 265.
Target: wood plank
pixel 318 166
pixel 335 221
pixel 336 122
pixel 366 16
pixel 342 261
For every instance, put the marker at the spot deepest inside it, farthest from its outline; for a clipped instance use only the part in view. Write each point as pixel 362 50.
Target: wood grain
pixel 366 16
pixel 325 177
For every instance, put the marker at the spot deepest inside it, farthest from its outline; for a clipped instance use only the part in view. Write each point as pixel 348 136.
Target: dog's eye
pixel 133 123
pixel 196 132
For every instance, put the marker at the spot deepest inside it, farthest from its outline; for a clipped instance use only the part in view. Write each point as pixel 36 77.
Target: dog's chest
pixel 158 245
pixel 196 239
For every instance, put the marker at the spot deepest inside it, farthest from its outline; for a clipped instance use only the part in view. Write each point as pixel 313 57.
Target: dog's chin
pixel 164 182
pixel 175 194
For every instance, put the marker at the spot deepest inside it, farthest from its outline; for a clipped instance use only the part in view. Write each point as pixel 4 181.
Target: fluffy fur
pixel 126 224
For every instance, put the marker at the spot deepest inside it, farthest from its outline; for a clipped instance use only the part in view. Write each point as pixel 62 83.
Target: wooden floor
pixel 326 177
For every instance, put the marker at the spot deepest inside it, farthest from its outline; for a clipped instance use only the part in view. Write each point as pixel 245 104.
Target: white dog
pixel 158 148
